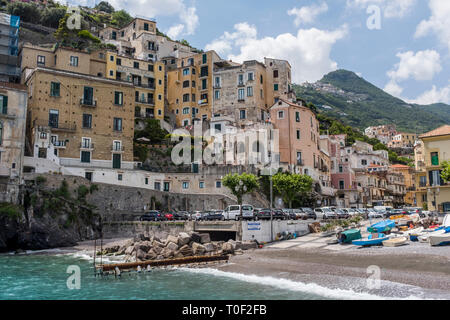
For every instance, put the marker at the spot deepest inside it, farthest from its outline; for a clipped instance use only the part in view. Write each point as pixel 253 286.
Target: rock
pixel 139 237
pixel 239 252
pixel 247 245
pixel 157 249
pixel 144 246
pixel 195 237
pixel 129 250
pixel 186 251
pixel 167 253
pixel 151 255
pixel 178 254
pixel 205 238
pixel 160 257
pixel 232 243
pixel 157 243
pixel 141 255
pixel 209 247
pixel 198 249
pixel 156 238
pixel 172 246
pixel 183 238
pixel 171 238
pixel 227 247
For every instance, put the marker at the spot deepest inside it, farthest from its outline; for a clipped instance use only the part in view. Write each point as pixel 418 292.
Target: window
pixel 111 73
pixel 201 184
pixel 261 79
pixel 193 84
pixel 250 76
pixel 74 61
pixel 186 84
pixel 151 68
pixel 88 96
pixel 41 60
pixel 242 114
pixel 185 110
pixel 204 84
pixel 114 35
pixel 364 162
pixel 118 98
pixel 146 26
pixel 275 73
pixel 280 114
pixel 186 72
pixel 117 124
pixel 218 184
pixel 249 91
pixel 85 156
pixel 117 160
pixel 204 71
pixel 136 65
pixel 119 61
pixel 4 104
pixel 217 82
pixel 204 58
pixel 146 181
pixel 158 186
pixel 240 80
pixel 166 186
pixel 299 159
pixel 86 143
pixel 193 97
pixel 341 184
pixel 298 134
pixel 241 94
pixel 275 87
pixel 88 175
pixel 53 118
pixel 297 116
pixel 119 177
pixel 87 121
pixel 341 169
pixel 217 95
pixel 186 97
pixel 111 58
pixel 185 185
pixel 434 158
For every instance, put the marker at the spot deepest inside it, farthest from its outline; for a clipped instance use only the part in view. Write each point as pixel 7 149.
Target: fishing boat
pixel 375 239
pixel 446 222
pixel 349 236
pixel 395 242
pixel 382 226
pixel 413 231
pixel 439 239
pixel 426 235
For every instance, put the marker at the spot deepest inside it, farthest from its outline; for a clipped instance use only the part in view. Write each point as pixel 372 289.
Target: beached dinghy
pixel 349 236
pixel 446 222
pixel 395 242
pixel 375 239
pixel 439 239
pixel 382 226
pixel 413 231
pixel 426 235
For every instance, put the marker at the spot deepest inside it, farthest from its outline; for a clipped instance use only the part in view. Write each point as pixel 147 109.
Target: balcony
pixel 65 127
pixel 59 144
pixel 241 84
pixel 117 149
pixel 86 146
pixel 300 163
pixel 145 101
pixel 217 86
pixel 88 103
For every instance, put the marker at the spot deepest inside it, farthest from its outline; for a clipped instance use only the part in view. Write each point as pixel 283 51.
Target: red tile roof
pixel 441 131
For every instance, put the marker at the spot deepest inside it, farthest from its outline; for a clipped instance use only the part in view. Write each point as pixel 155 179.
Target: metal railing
pixel 88 102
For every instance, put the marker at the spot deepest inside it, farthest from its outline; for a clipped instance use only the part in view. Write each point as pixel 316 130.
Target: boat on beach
pixel 382 226
pixel 395 242
pixel 439 239
pixel 375 239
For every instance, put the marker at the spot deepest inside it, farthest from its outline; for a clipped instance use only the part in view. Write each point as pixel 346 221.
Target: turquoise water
pixel 44 277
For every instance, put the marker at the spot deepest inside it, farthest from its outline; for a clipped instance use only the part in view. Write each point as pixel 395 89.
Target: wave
pixel 85 255
pixel 286 284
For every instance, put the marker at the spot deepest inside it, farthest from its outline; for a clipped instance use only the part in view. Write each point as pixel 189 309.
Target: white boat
pixel 412 231
pixel 395 242
pixel 439 239
pixel 425 237
pixel 446 222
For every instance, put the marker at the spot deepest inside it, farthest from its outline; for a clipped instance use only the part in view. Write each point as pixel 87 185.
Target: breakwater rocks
pixel 186 244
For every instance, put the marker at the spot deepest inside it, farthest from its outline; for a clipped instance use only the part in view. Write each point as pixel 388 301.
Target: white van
pixel 233 212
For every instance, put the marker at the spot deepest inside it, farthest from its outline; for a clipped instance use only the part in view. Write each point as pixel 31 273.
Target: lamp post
pixel 434 192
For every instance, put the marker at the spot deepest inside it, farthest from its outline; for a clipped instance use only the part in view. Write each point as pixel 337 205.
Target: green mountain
pixel 344 95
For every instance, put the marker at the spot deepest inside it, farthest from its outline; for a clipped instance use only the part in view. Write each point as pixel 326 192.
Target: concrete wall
pixel 261 230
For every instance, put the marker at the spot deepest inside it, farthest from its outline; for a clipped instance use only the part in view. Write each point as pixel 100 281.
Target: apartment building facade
pixel 409 182
pixel 403 140
pixel 9 44
pixel 13 107
pixel 384 133
pixel 80 120
pixel 432 192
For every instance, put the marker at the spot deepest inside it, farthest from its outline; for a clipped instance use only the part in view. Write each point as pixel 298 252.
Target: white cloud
pixel 391 8
pixel 308 51
pixel 423 65
pixel 438 23
pixel 175 31
pixel 434 95
pixel 393 88
pixel 307 14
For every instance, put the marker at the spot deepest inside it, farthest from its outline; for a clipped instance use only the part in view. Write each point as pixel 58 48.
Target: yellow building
pixel 409 182
pixel 80 120
pixel 432 190
pixel 403 140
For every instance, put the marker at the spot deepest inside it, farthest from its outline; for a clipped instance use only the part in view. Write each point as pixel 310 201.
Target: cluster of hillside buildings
pixel 388 135
pixel 75 113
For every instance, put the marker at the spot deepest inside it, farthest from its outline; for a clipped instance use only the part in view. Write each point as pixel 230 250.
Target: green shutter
pixel 5 104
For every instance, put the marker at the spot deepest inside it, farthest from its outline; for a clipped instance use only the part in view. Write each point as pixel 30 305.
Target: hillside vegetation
pixel 344 95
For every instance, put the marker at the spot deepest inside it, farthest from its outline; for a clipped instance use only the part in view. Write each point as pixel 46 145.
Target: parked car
pixel 325 213
pixel 289 213
pixel 152 215
pixel 278 214
pixel 262 214
pixel 309 213
pixel 181 215
pixel 416 210
pixel 168 215
pixel 299 214
pixel 196 216
pixel 352 212
pixel 384 210
pixel 213 215
pixel 396 212
pixel 373 214
pixel 233 212
pixel 342 213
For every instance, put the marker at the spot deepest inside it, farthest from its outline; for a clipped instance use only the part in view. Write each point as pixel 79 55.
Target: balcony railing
pixel 117 148
pixel 300 163
pixel 145 101
pixel 59 144
pixel 86 146
pixel 88 102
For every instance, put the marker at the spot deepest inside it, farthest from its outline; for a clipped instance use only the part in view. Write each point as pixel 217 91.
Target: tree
pixel 152 131
pixel 446 171
pixel 50 17
pixel 28 12
pixel 240 185
pixel 105 7
pixel 290 186
pixel 121 18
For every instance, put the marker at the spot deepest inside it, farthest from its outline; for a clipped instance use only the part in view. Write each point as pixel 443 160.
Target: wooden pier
pixel 140 266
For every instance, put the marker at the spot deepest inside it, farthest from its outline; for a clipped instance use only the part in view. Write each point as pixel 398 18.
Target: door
pixel 117 158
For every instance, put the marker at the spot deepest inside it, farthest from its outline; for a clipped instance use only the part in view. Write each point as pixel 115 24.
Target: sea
pixel 58 275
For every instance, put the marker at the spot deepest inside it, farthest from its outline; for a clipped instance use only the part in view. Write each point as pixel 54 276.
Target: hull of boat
pixel 370 242
pixel 439 240
pixel 382 226
pixel 396 242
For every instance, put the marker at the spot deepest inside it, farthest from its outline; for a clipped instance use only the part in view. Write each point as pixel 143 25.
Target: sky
pixel 401 46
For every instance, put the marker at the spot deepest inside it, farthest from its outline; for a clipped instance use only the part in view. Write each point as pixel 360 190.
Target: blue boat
pixel 382 226
pixel 374 239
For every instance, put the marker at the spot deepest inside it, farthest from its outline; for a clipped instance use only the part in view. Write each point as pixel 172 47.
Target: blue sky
pixel 408 55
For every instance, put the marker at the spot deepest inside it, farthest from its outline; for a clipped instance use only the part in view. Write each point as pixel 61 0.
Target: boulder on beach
pixel 172 246
pixel 198 248
pixel 183 238
pixel 209 247
pixel 171 238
